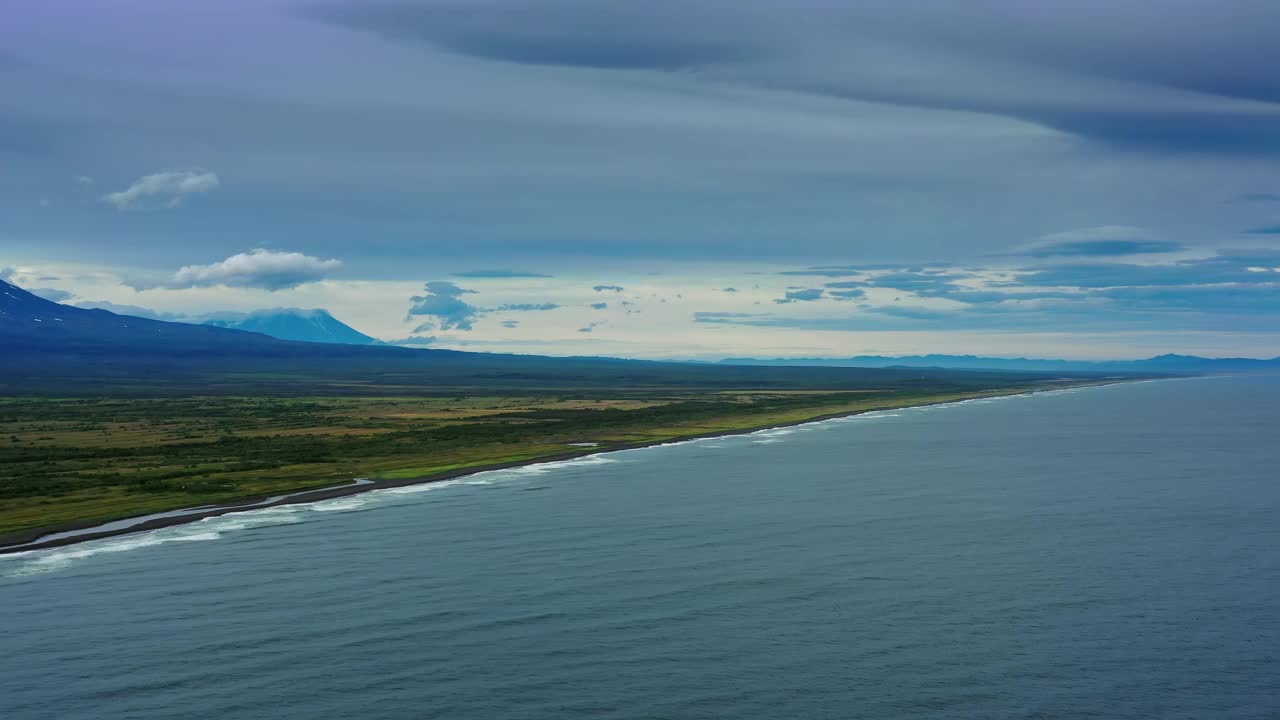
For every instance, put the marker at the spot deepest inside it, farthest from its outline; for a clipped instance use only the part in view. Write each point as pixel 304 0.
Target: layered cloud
pixel 627 37
pixel 169 188
pixel 1103 241
pixel 907 165
pixel 666 130
pixel 1232 288
pixel 1116 72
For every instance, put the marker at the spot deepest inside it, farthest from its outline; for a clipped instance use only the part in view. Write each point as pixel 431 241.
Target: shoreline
pixel 29 541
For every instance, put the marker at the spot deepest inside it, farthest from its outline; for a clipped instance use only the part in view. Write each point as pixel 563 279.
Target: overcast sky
pixel 668 178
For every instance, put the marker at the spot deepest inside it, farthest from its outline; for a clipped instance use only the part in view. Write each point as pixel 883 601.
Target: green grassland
pixel 73 460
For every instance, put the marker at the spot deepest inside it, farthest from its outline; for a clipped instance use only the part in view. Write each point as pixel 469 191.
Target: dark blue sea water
pixel 1102 553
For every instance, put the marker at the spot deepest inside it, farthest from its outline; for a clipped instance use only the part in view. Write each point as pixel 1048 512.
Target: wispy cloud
pixel 847 294
pixel 1102 248
pixel 413 341
pixel 170 186
pixel 526 307
pixel 498 274
pixel 723 317
pixel 1228 266
pixel 1101 241
pixel 608 288
pixel 833 272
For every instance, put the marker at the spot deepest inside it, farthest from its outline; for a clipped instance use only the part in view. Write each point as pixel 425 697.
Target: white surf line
pixel 773 432
pixel 127 523
pixel 42 560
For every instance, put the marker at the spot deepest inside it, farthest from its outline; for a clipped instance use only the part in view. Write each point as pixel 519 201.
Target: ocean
pixel 1109 552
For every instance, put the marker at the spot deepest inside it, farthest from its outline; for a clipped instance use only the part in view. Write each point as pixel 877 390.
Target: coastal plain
pixel 72 461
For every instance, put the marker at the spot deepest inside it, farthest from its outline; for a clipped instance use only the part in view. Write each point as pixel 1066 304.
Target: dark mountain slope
pixel 29 323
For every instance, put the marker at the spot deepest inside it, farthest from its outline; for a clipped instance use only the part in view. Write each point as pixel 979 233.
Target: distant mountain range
pixel 47 347
pixel 294 324
pixel 1161 363
pixel 35 330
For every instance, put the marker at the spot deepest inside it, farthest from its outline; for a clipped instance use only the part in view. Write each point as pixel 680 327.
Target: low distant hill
pixel 294 324
pixel 1161 363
